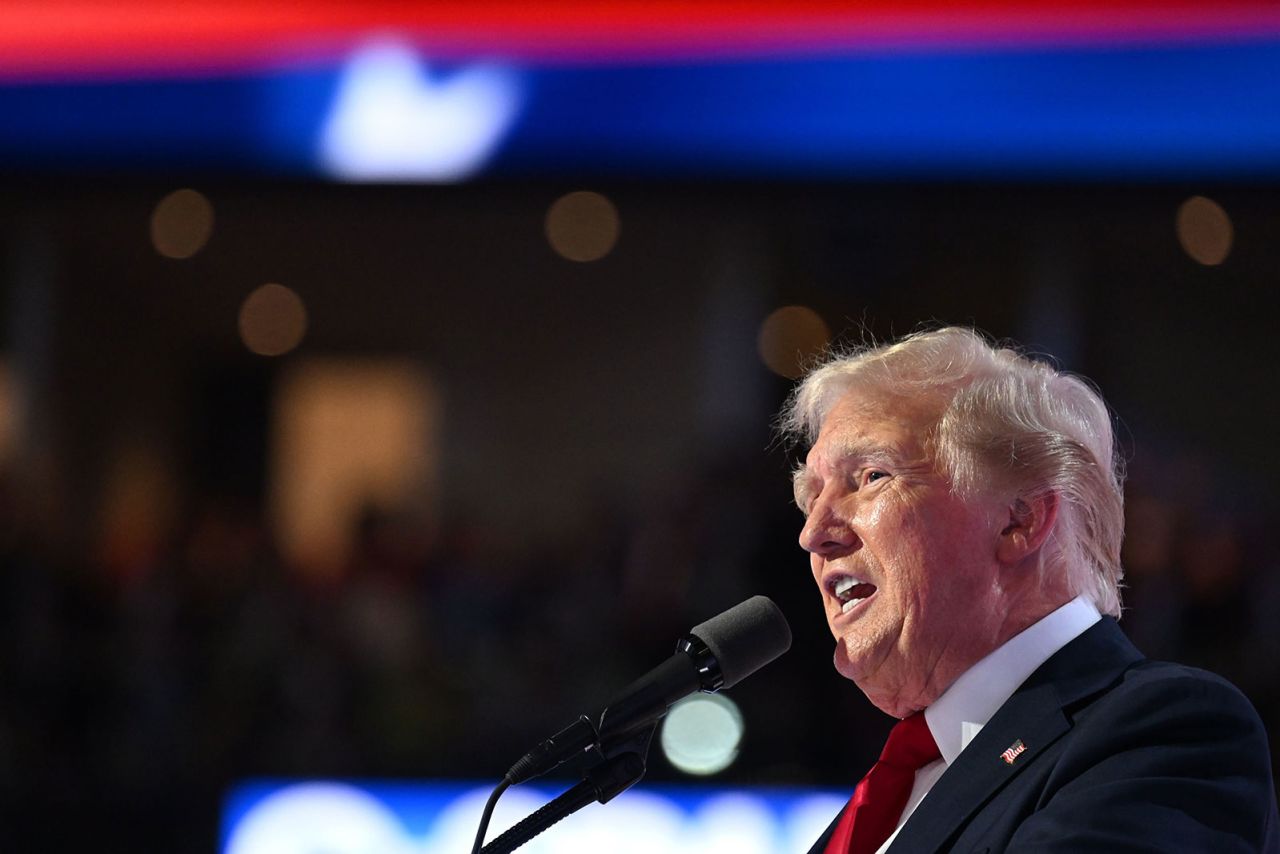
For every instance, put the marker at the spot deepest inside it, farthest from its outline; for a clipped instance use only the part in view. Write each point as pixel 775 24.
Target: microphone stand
pixel 602 782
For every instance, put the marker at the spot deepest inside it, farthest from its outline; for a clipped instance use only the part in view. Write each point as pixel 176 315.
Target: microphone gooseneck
pixel 718 653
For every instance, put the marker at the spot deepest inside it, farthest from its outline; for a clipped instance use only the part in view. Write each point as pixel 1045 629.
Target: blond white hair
pixel 1004 419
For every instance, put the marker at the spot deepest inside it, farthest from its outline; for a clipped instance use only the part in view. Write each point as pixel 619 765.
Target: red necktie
pixel 880 798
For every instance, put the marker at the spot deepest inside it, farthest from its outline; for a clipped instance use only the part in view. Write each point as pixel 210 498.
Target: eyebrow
pixel 861 449
pixel 799 486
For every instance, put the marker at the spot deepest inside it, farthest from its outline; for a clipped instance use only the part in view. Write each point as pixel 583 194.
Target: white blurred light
pixel 348 819
pixel 734 823
pixel 394 120
pixel 319 817
pixel 701 734
pixel 808 818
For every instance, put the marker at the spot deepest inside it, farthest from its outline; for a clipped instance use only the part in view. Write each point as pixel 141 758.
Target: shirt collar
pixel 963 710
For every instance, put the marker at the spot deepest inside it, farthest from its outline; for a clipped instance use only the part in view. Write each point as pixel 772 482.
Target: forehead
pixel 857 425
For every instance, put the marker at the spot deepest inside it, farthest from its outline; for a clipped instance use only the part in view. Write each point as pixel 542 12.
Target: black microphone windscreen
pixel 745 638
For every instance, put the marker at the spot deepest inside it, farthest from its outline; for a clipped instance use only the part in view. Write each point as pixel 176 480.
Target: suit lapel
pixel 1036 716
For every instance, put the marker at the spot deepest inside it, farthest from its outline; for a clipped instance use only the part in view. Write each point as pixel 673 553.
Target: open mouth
pixel 850 591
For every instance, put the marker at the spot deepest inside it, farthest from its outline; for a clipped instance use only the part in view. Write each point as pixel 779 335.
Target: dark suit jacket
pixel 1122 754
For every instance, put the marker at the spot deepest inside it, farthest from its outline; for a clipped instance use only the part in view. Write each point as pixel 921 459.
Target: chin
pixel 888 699
pixel 847 667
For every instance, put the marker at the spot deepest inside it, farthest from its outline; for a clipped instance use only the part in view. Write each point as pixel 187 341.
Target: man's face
pixel 907 569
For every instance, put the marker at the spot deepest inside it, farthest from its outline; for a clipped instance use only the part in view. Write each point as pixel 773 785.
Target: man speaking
pixel 964 514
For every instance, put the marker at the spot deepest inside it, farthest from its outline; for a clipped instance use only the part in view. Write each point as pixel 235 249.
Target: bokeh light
pixel 11 399
pixel 701 734
pixel 181 224
pixel 349 435
pixel 791 338
pixel 1204 230
pixel 582 226
pixel 272 320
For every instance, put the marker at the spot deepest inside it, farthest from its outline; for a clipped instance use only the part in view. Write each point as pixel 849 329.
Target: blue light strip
pixel 1194 111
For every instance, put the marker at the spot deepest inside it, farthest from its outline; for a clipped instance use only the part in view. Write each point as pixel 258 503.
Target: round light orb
pixel 582 226
pixel 701 734
pixel 791 338
pixel 1204 230
pixel 181 224
pixel 273 320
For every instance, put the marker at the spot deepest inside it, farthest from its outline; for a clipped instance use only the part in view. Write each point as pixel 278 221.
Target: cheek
pixel 927 567
pixel 908 543
pixel 880 514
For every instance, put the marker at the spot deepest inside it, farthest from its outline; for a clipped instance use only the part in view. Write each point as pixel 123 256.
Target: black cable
pixel 546 816
pixel 488 813
pixel 602 783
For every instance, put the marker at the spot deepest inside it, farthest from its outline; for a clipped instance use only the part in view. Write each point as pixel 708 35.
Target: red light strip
pixel 57 38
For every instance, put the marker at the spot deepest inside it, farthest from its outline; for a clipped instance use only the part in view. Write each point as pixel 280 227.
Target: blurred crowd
pixel 136 692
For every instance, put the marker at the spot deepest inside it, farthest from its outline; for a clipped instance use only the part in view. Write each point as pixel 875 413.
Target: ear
pixel 1030 522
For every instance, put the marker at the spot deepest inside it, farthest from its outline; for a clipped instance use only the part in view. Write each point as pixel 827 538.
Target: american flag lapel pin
pixel 1012 753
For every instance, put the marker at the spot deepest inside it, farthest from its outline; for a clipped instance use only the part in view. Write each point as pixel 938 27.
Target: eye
pixel 872 475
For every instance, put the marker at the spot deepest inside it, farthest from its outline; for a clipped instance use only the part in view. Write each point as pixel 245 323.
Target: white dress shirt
pixel 964 709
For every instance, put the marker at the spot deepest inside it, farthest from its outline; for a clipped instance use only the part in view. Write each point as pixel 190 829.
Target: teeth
pixel 848 606
pixel 843 591
pixel 844 585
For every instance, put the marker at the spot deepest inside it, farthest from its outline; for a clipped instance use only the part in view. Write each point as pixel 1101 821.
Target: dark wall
pixel 608 471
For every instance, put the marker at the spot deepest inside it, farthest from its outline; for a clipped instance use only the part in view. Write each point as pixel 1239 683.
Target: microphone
pixel 718 653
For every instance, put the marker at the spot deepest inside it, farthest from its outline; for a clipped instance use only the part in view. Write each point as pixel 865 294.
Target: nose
pixel 826 532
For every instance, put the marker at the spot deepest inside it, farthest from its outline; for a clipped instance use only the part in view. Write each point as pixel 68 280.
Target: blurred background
pixel 382 387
